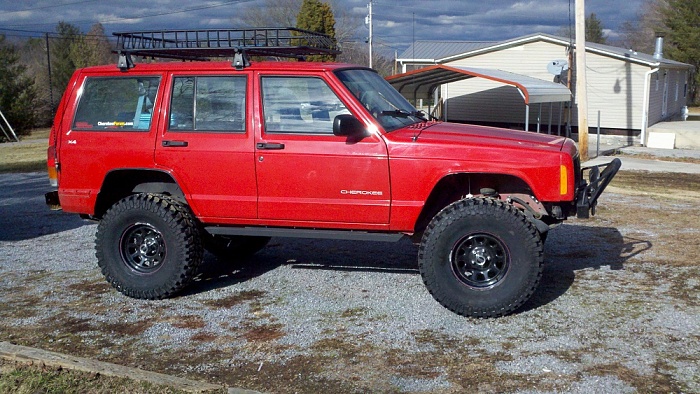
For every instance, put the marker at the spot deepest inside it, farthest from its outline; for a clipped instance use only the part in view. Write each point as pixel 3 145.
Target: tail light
pixel 52 165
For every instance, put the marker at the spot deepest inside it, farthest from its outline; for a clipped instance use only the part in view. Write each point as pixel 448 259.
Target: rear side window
pixel 120 103
pixel 208 104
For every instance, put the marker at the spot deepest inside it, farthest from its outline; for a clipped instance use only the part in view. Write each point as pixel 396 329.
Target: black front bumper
pixel 588 193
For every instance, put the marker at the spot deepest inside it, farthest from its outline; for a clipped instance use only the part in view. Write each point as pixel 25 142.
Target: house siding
pixel 479 100
pixel 615 88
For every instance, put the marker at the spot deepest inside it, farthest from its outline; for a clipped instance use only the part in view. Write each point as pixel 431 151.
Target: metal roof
pixel 421 83
pixel 433 50
pixel 446 51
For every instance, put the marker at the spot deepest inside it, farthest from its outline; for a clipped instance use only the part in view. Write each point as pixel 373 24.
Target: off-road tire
pixel 148 246
pixel 481 257
pixel 234 248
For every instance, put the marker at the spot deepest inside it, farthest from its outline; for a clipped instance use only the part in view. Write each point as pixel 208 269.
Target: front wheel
pixel 481 257
pixel 148 246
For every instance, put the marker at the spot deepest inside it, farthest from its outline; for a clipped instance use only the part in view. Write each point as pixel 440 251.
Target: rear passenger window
pixel 208 104
pixel 121 103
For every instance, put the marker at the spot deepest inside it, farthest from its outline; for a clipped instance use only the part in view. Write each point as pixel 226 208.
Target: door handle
pixel 168 143
pixel 269 146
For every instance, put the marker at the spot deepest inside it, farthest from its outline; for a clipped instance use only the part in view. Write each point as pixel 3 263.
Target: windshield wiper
pixel 399 113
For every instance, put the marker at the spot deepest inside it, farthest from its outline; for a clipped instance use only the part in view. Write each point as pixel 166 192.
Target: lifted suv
pixel 174 158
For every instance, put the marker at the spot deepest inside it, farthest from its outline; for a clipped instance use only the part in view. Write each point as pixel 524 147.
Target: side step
pixel 305 233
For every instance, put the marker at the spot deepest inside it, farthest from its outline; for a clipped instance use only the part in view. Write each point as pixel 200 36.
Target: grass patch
pixel 656 181
pixel 30 379
pixel 27 155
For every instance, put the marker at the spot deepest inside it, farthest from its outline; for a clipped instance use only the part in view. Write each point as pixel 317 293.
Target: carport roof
pixel 421 83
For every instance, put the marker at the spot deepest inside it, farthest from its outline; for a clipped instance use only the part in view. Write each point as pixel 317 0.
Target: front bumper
pixel 588 193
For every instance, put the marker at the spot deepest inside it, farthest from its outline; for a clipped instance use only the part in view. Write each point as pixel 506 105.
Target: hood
pixel 439 133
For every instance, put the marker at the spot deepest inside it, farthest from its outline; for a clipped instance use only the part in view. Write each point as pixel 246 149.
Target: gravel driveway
pixel 618 309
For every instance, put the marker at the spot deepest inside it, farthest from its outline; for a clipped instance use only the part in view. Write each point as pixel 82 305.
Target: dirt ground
pixel 618 309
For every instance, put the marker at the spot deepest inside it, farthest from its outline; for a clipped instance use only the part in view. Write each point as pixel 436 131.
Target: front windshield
pixel 387 105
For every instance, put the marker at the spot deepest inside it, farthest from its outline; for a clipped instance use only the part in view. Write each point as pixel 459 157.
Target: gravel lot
pixel 618 309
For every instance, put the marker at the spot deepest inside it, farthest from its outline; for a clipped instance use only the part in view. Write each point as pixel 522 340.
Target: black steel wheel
pixel 481 257
pixel 148 246
pixel 142 248
pixel 480 260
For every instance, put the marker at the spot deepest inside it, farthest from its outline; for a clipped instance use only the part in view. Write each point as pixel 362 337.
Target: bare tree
pixel 272 13
pixel 639 34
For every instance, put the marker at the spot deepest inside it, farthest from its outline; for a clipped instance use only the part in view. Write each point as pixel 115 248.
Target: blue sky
pixel 396 22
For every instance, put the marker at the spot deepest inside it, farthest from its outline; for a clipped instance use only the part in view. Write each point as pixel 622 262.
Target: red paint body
pixel 379 183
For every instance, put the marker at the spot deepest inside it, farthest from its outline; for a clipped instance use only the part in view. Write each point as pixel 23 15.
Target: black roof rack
pixel 237 43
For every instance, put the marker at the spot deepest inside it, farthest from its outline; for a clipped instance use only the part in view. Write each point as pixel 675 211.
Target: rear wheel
pixel 148 246
pixel 481 257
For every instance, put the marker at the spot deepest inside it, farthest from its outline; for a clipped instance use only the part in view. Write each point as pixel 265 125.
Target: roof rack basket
pixel 210 43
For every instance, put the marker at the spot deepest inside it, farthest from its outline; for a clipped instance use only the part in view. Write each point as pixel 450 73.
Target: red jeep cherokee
pixel 174 158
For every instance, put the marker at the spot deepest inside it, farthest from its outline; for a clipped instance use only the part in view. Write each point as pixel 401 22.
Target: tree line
pixel 34 72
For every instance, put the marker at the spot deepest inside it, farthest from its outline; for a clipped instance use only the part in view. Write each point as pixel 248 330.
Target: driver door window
pixel 299 105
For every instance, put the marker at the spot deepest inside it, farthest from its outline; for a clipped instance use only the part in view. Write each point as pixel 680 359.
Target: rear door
pixel 207 143
pixel 113 127
pixel 304 172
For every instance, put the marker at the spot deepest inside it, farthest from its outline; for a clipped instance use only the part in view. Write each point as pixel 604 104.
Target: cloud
pixel 396 22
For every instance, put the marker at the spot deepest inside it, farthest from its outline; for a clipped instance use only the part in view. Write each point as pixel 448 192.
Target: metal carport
pixel 420 84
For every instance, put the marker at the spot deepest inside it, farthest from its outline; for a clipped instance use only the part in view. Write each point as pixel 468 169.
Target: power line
pixel 118 19
pixel 48 6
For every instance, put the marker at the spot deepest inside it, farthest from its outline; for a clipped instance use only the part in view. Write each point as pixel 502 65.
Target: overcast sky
pixel 396 22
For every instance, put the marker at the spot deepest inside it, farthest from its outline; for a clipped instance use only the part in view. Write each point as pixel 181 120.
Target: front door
pixel 307 174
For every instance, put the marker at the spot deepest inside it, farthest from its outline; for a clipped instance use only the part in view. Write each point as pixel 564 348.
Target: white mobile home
pixel 630 90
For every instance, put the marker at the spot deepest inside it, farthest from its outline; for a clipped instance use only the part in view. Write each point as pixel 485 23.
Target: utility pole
pixel 48 65
pixel 369 40
pixel 581 94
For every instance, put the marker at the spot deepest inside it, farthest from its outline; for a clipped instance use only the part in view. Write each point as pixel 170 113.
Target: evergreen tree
pixel 63 63
pixel 682 20
pixel 17 91
pixel 594 29
pixel 317 17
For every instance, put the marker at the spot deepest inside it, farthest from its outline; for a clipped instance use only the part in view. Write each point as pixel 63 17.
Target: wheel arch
pixel 453 187
pixel 121 183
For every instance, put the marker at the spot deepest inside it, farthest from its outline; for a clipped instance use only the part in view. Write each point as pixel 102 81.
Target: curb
pixel 26 354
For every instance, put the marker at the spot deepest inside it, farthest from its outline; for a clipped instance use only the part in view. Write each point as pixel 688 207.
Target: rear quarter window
pixel 116 103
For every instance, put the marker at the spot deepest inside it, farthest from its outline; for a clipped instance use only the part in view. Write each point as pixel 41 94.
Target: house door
pixel 664 103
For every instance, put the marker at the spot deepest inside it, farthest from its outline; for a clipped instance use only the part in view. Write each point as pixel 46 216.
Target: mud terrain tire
pixel 481 257
pixel 148 246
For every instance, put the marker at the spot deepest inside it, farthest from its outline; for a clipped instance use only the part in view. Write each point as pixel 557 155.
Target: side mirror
pixel 348 126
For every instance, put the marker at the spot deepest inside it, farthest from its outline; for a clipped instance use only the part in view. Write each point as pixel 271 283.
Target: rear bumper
pixel 52 200
pixel 588 193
